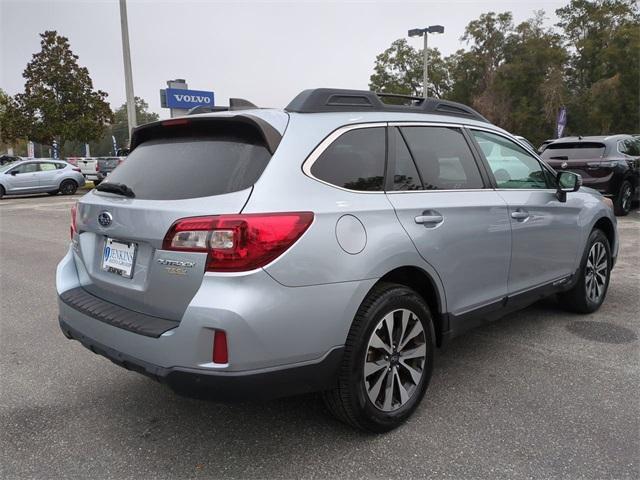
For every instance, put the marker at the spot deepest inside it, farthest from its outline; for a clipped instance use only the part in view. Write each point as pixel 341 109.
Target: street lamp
pixel 128 77
pixel 424 32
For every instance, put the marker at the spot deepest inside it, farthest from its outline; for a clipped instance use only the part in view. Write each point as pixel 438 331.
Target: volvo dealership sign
pixel 182 98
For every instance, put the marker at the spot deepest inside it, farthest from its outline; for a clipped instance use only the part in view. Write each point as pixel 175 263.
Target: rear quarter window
pixel 354 161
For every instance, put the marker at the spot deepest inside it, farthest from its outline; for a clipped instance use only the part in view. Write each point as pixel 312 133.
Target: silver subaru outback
pixel 331 246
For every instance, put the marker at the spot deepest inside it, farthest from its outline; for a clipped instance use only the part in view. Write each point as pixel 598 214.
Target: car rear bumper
pixel 269 327
pixel 94 176
pixel 248 385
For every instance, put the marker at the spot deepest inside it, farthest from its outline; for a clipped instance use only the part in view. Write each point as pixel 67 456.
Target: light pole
pixel 128 77
pixel 424 32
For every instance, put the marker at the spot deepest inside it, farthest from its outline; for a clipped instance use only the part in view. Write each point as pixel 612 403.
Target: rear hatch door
pixel 583 158
pixel 176 171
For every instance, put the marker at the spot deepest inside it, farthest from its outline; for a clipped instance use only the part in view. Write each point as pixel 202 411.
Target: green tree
pixel 399 69
pixel 119 129
pixel 604 37
pixel 120 126
pixel 11 121
pixel 59 101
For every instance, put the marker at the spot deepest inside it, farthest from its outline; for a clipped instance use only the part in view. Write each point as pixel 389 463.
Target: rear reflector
pixel 220 352
pixel 236 243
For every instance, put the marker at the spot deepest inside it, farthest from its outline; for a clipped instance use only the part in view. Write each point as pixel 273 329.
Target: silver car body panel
pixel 300 307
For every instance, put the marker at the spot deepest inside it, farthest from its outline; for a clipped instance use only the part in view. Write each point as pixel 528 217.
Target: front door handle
pixel 520 214
pixel 429 218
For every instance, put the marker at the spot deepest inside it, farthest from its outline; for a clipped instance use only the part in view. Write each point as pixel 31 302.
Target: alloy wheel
pixel 67 188
pixel 596 272
pixel 395 360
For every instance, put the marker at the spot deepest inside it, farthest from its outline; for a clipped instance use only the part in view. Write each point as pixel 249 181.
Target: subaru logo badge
pixel 564 165
pixel 105 219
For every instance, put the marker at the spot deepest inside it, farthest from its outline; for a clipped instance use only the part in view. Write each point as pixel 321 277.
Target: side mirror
pixel 567 182
pixel 13 172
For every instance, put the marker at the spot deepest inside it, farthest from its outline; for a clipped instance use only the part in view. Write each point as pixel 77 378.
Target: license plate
pixel 118 257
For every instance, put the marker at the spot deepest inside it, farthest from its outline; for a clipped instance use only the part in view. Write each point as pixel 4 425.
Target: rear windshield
pixel 191 167
pixel 108 162
pixel 573 151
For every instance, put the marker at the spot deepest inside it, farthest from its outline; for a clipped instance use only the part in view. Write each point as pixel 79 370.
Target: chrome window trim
pixel 337 133
pixel 488 189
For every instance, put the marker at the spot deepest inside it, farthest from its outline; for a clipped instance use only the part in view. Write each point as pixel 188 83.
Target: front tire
pixel 388 360
pixel 590 290
pixel 624 199
pixel 68 187
pixel 2 192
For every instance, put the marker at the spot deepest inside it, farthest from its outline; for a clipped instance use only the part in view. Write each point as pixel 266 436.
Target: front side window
pixel 511 165
pixel 26 168
pixel 354 161
pixel 443 157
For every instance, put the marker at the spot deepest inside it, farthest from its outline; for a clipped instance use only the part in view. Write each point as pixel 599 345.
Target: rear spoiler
pixel 267 132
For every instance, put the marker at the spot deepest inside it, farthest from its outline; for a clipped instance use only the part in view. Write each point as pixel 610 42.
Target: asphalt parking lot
pixel 539 394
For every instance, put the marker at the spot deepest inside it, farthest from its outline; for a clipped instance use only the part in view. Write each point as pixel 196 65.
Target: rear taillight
pixel 97 167
pixel 236 243
pixel 220 351
pixel 73 228
pixel 76 170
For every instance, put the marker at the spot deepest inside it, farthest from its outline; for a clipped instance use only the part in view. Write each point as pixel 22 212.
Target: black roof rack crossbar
pixel 321 100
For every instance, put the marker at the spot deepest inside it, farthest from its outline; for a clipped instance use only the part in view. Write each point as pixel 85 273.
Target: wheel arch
pixel 606 225
pixel 420 281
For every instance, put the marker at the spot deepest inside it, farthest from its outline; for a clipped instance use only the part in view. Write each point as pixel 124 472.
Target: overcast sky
pixel 263 51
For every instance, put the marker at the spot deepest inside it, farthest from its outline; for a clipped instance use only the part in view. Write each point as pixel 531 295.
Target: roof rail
pixel 234 104
pixel 340 100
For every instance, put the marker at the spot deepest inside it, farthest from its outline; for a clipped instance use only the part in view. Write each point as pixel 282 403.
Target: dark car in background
pixel 609 164
pixel 5 159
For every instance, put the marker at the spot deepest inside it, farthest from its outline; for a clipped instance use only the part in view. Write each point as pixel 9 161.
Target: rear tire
pixel 624 199
pixel 589 292
pixel 68 187
pixel 2 192
pixel 388 360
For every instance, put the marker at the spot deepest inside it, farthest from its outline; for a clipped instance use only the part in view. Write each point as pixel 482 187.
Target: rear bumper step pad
pixel 81 300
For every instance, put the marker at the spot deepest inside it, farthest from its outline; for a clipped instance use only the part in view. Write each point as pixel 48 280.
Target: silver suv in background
pixel 39 176
pixel 331 246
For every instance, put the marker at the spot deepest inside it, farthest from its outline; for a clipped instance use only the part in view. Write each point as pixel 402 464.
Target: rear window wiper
pixel 117 188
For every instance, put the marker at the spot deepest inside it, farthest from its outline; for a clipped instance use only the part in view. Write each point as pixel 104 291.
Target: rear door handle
pixel 520 214
pixel 429 218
